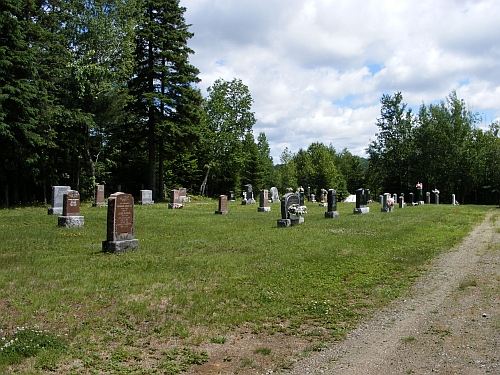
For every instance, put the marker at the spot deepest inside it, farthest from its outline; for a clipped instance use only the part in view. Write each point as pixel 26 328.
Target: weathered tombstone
pixel 286 219
pixel 231 196
pixel 120 225
pixel 222 205
pixel 453 201
pixel 381 199
pixel 183 197
pixel 71 211
pixel 309 194
pixel 401 201
pixel 436 196
pixel 174 199
pixel 264 201
pixel 386 207
pixel 57 200
pixel 301 195
pixel 275 198
pixel 410 202
pixel 324 198
pixel 332 205
pixel 367 196
pixel 99 196
pixel 361 201
pixel 428 198
pixel 313 198
pixel 395 198
pixel 247 195
pixel 146 197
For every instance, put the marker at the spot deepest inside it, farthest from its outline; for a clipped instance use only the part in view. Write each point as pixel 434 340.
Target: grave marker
pixel 222 205
pixel 362 198
pixel 264 201
pixel 120 224
pixel 57 200
pixel 247 195
pixel 146 197
pixel 332 205
pixel 174 200
pixel 71 211
pixel 98 196
pixel 275 198
pixel 287 219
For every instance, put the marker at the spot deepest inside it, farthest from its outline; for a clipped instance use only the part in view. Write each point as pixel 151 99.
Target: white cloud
pixel 317 69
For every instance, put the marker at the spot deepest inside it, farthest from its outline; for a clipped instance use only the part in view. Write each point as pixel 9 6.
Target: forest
pixel 103 92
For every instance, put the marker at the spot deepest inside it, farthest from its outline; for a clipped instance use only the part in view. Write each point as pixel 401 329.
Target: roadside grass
pixel 198 276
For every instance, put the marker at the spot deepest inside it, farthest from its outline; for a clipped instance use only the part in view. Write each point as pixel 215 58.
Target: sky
pixel 317 69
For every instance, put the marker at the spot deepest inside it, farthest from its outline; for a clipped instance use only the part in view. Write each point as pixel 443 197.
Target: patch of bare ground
pixel 449 323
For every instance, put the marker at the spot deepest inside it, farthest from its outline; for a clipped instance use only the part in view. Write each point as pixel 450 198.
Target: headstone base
pixel 263 209
pixel 300 220
pixel 119 246
pixel 70 221
pixel 362 210
pixel 175 205
pixel 146 203
pixel 55 211
pixel 248 201
pixel 283 223
pixel 221 212
pixel 420 203
pixel 331 214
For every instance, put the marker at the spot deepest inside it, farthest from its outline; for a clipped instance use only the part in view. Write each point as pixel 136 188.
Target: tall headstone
pixel 436 197
pixel 264 201
pixel 275 198
pixel 385 203
pixel 301 194
pixel 222 205
pixel 428 198
pixel 287 220
pixel 411 201
pixel 395 198
pixel 332 204
pixel 99 196
pixel 453 200
pixel 401 201
pixel 361 202
pixel 120 224
pixel 71 217
pixel 146 197
pixel 57 200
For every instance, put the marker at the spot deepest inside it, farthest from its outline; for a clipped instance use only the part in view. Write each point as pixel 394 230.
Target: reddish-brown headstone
pixel 264 198
pixel 71 203
pixel 182 192
pixel 120 224
pixel 99 195
pixel 174 196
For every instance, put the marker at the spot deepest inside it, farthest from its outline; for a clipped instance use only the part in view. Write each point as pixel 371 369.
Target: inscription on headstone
pixel 57 199
pixel 288 200
pixel 146 197
pixel 120 225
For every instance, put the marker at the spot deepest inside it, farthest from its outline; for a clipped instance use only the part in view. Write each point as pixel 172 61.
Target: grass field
pixel 198 276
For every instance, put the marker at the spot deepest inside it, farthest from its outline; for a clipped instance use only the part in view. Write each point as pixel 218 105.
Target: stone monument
pixel 332 204
pixel 120 225
pixel 99 196
pixel 264 201
pixel 275 198
pixel 288 219
pixel 362 201
pixel 71 211
pixel 247 195
pixel 57 200
pixel 222 205
pixel 146 197
pixel 183 197
pixel 174 199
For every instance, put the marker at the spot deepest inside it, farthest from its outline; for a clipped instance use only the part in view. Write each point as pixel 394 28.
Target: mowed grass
pixel 199 276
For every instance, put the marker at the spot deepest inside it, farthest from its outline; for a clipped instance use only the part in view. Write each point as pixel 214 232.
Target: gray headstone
pixel 146 197
pixel 57 199
pixel 286 201
pixel 274 195
pixel 99 196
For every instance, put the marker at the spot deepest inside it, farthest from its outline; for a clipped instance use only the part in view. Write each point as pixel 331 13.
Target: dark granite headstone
pixel 332 204
pixel 231 196
pixel 248 195
pixel 57 199
pixel 222 205
pixel 362 198
pixel 71 210
pixel 120 225
pixel 286 201
pixel 264 201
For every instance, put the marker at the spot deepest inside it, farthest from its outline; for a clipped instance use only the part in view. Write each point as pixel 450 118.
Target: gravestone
pixel 287 220
pixel 183 197
pixel 332 205
pixel 395 198
pixel 301 194
pixel 436 197
pixel 385 203
pixel 175 200
pixel 146 197
pixel 324 198
pixel 428 198
pixel 361 201
pixel 401 201
pixel 453 200
pixel 247 195
pixel 264 201
pixel 381 199
pixel 120 224
pixel 222 205
pixel 57 200
pixel 99 196
pixel 231 196
pixel 411 201
pixel 313 198
pixel 71 211
pixel 275 198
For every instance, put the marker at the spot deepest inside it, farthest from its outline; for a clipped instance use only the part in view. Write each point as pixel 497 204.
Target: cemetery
pixel 137 277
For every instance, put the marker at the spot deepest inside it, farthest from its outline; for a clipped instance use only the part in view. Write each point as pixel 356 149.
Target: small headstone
pixel 174 200
pixel 57 200
pixel 183 197
pixel 395 198
pixel 264 201
pixel 222 205
pixel 362 198
pixel 146 197
pixel 71 211
pixel 313 198
pixel 231 196
pixel 436 196
pixel 99 196
pixel 332 205
pixel 275 198
pixel 120 224
pixel 324 198
pixel 247 195
pixel 381 199
pixel 287 220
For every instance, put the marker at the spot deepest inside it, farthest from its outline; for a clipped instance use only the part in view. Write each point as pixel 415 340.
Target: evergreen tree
pixel 167 103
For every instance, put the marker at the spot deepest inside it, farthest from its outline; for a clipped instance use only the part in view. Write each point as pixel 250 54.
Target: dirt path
pixel 449 324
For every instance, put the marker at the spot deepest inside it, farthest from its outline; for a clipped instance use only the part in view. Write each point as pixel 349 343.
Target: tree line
pixel 103 92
